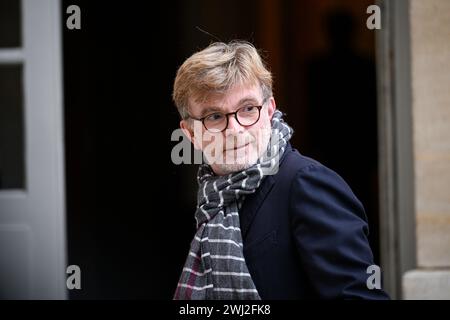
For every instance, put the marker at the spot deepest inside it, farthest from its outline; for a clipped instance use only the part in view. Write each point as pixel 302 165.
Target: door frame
pixel 395 136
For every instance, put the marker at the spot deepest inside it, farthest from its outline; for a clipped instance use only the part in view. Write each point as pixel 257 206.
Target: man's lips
pixel 239 147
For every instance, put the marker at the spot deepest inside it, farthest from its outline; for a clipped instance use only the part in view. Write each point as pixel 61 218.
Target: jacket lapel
pixel 254 201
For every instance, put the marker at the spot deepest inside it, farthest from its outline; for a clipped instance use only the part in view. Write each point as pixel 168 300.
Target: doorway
pixel 119 71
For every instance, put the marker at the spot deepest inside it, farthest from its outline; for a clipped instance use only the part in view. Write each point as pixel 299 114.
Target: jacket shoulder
pixel 294 161
pixel 307 177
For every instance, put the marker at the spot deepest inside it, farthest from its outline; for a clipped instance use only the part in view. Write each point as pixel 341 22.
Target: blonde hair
pixel 218 68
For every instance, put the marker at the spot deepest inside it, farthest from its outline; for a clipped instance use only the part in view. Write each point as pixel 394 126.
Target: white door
pixel 32 210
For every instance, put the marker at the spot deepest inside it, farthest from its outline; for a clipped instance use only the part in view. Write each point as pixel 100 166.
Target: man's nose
pixel 233 125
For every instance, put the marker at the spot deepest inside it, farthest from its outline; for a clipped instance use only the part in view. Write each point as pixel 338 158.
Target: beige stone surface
pixel 430 67
pixel 426 285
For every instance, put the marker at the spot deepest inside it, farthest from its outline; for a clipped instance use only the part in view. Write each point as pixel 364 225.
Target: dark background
pixel 130 210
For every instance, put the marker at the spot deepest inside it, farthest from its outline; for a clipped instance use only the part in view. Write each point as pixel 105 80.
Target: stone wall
pixel 430 70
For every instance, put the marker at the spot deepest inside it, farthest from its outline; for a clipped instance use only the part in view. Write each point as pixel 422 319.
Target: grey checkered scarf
pixel 215 267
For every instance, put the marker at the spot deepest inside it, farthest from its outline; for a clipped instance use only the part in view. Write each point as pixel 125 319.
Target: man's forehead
pixel 228 98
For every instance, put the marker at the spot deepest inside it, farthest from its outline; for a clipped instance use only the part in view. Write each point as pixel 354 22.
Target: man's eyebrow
pixel 247 99
pixel 211 109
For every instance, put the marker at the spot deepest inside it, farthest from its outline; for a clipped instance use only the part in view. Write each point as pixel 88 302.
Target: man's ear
pixel 189 132
pixel 184 125
pixel 271 107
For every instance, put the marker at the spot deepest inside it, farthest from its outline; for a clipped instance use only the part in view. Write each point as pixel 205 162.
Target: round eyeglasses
pixel 246 116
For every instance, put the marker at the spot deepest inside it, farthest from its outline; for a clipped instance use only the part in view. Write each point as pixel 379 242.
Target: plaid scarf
pixel 215 267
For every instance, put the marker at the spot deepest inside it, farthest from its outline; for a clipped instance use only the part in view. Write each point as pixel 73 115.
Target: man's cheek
pixel 213 147
pixel 198 135
pixel 263 137
pixel 209 138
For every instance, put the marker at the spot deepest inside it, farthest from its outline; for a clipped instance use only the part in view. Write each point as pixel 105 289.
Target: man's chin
pixel 234 161
pixel 223 169
pixel 234 165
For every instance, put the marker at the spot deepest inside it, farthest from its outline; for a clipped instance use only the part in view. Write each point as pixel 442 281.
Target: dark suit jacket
pixel 305 235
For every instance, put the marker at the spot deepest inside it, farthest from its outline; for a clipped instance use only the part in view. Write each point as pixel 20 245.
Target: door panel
pixel 32 210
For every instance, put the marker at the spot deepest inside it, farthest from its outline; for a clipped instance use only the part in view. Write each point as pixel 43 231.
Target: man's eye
pixel 249 109
pixel 215 117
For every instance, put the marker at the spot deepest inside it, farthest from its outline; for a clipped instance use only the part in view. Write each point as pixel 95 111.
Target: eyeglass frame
pixel 235 116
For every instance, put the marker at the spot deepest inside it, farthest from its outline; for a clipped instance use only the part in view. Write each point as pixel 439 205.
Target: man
pixel 271 223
